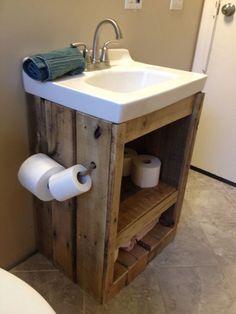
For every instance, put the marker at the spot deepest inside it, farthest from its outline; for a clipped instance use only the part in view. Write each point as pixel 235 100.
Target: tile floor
pixel 195 274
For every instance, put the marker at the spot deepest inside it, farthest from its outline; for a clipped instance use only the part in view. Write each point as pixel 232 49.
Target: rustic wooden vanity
pixel 81 236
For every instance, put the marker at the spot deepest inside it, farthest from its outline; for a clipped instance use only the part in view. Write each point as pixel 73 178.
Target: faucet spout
pixel 118 33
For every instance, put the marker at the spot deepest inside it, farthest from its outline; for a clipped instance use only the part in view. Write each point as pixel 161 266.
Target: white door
pixel 215 148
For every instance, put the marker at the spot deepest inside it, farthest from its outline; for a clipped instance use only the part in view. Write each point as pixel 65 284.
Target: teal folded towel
pixel 48 66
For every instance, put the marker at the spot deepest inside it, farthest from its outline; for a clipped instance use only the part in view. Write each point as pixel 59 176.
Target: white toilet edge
pixel 16 296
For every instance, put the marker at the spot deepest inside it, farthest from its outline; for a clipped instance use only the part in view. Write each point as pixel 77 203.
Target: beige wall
pixel 154 34
pixel 26 26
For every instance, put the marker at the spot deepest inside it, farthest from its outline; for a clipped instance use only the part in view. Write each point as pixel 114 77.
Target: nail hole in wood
pixel 98 132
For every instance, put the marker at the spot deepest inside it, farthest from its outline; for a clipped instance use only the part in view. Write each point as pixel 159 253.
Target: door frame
pixel 202 56
pixel 206 35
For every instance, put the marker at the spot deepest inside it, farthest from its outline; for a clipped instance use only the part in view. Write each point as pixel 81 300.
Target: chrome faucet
pixel 96 61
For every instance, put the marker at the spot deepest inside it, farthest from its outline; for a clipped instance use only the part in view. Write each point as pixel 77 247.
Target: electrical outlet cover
pixel 133 4
pixel 176 4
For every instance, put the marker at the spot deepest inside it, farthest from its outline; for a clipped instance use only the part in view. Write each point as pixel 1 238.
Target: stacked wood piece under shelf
pixel 130 264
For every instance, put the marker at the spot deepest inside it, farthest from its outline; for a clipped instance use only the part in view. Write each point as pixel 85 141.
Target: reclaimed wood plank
pixel 93 145
pixel 52 131
pixel 115 171
pixel 176 155
pixel 60 122
pixel 119 282
pixel 135 261
pixel 157 239
pixel 36 116
pixel 157 119
pixel 190 141
pixel 138 204
pixel 137 226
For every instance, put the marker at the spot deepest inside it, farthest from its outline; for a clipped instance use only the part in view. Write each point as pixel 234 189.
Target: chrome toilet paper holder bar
pixel 89 170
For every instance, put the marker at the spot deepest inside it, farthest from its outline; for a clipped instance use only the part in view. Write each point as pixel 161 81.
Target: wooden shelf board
pixel 140 202
pixel 141 208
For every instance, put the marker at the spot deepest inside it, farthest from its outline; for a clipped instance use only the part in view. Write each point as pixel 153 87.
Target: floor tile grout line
pixel 162 296
pixel 36 271
pixel 189 266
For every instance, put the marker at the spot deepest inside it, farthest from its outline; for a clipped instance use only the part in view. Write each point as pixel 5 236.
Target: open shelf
pixel 140 207
pixel 129 264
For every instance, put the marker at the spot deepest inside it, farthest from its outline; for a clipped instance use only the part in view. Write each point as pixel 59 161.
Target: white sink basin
pixel 125 91
pixel 127 81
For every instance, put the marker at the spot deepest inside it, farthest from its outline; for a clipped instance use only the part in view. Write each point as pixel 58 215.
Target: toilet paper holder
pixel 88 171
pixel 84 173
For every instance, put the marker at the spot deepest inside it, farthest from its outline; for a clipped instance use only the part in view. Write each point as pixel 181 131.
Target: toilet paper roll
pixel 35 172
pixel 145 171
pixel 68 183
pixel 129 153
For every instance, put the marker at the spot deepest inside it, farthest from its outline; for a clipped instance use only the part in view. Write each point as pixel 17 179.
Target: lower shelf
pixel 141 208
pixel 130 264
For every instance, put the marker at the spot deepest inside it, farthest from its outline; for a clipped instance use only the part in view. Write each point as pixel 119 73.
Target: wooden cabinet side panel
pixel 61 140
pixel 38 144
pixel 115 176
pixel 93 145
pixel 179 139
pixel 52 131
pixel 190 141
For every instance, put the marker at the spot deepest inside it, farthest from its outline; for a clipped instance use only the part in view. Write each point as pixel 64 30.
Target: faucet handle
pixel 104 56
pixel 83 45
